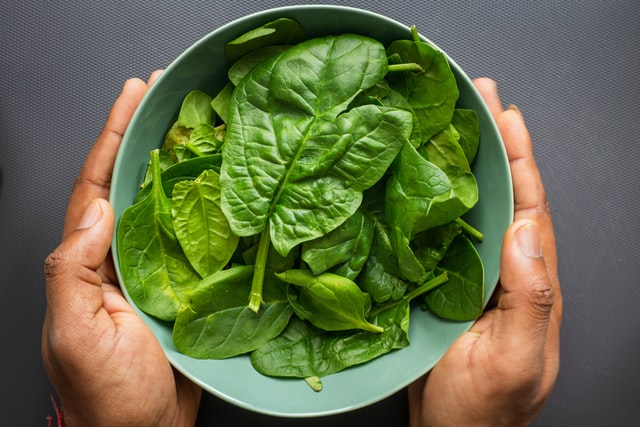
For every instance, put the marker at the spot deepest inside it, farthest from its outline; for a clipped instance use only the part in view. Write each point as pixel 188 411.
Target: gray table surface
pixel 571 66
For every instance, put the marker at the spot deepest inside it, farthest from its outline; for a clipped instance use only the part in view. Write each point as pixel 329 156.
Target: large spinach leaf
pixel 200 226
pixel 303 351
pixel 295 162
pixel 432 93
pixel 444 151
pixel 218 324
pixel 155 271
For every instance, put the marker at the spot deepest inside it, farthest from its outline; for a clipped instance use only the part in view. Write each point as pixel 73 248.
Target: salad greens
pixel 298 213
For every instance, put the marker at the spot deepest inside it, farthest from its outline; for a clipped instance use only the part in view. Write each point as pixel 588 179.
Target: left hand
pixel 105 364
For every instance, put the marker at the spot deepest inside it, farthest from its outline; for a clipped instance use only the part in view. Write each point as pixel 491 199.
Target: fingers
pixel 73 285
pixel 95 177
pixel 528 189
pixel 530 200
pixel 489 91
pixel 529 194
pixel 529 304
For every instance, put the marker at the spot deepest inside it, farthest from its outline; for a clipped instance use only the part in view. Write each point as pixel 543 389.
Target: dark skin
pixel 501 372
pixel 109 370
pixel 105 363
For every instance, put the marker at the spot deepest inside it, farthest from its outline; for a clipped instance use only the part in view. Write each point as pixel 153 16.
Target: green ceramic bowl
pixel 202 67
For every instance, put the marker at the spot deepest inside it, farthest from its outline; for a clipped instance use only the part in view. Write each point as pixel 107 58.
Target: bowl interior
pixel 203 67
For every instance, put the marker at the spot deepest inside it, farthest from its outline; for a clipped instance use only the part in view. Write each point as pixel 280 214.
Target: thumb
pixel 73 265
pixel 527 293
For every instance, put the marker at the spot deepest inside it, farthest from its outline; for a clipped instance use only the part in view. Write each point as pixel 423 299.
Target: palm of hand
pixel 107 361
pixel 106 365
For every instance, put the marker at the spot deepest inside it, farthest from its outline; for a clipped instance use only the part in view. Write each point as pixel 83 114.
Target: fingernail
pixel 513 107
pixel 528 238
pixel 91 215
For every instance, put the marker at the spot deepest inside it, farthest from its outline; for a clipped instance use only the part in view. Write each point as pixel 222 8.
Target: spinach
pixel 177 172
pixel 303 350
pixel 381 276
pixel 195 110
pixel 295 162
pixel 218 324
pixel 461 298
pixel 200 226
pixel 466 123
pixel 343 250
pixel 154 269
pixel 329 301
pixel 282 31
pixel 444 151
pixel 432 93
pixel 299 214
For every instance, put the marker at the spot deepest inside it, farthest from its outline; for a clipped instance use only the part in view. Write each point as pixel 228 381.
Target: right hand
pixel 501 372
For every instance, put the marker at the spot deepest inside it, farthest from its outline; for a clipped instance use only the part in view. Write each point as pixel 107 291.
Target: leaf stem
pixel 420 290
pixel 427 286
pixel 414 33
pixel 407 66
pixel 195 150
pixel 467 228
pixel 255 297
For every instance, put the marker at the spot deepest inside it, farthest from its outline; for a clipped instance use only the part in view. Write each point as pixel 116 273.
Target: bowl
pixel 234 379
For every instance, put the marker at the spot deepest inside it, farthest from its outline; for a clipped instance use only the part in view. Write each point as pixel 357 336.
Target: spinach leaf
pixel 166 161
pixel 304 351
pixel 218 324
pixel 220 103
pixel 461 298
pixel 195 110
pixel 275 261
pixel 244 65
pixel 155 271
pixel 415 185
pixel 466 122
pixel 278 32
pixel 205 139
pixel 185 170
pixel 295 163
pixel 200 226
pixel 432 93
pixel 431 245
pixel 351 241
pixel 444 151
pixel 380 276
pixel 329 301
pixel 352 267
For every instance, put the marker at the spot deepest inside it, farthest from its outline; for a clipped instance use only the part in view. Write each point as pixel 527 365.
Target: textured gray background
pixel 571 66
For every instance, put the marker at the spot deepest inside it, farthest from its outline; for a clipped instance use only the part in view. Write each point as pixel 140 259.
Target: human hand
pixel 502 371
pixel 105 364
